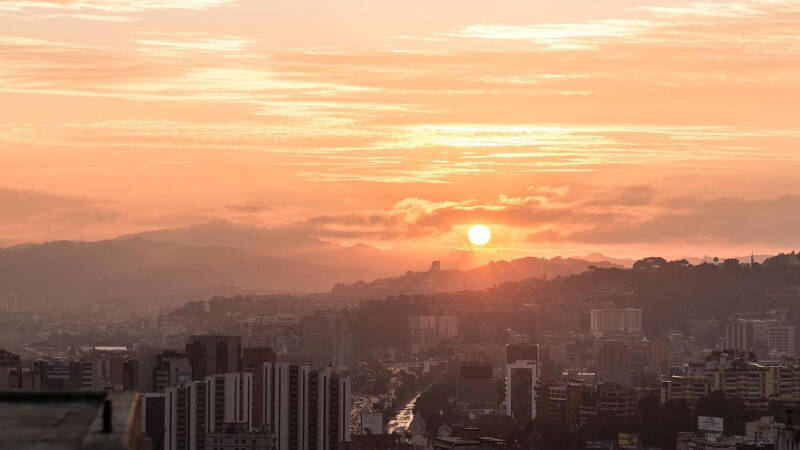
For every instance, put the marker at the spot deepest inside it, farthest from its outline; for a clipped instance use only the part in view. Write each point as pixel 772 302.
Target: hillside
pixel 368 261
pixel 77 275
pixel 671 293
pixel 492 274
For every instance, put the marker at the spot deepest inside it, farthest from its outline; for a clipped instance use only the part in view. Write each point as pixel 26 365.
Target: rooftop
pixel 68 420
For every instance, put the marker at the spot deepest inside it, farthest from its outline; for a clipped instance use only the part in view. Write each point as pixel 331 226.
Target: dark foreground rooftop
pixel 69 420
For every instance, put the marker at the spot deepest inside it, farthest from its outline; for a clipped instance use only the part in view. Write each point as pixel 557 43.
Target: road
pixel 403 418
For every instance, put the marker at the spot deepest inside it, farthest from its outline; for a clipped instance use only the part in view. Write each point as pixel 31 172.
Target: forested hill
pixel 671 292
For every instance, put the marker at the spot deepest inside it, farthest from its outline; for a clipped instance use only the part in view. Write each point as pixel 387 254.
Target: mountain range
pixel 67 275
pixel 371 261
pixel 152 266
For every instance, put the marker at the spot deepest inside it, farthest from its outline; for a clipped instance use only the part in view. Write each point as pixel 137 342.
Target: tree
pixel 733 411
pixel 731 263
pixel 650 263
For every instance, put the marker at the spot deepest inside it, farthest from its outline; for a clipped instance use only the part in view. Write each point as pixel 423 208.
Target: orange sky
pixel 624 127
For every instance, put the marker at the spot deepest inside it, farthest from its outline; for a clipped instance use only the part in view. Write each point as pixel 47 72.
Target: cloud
pixel 635 215
pixel 21 204
pixel 65 68
pixel 338 150
pixel 249 208
pixel 770 221
pixel 731 10
pixel 237 135
pixel 170 45
pixel 27 215
pixel 38 216
pixel 674 100
pixel 558 36
pixel 109 6
pixel 580 216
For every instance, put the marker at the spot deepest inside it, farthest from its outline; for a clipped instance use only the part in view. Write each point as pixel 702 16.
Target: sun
pixel 479 234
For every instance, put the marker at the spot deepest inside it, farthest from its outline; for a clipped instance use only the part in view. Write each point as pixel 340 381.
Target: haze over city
pixel 416 224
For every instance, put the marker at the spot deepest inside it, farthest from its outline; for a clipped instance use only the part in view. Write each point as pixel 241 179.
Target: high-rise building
pixel 522 374
pixel 194 410
pixel 740 335
pixel 476 387
pixel 427 330
pixel 303 407
pixel 180 419
pixel 56 375
pixel 9 363
pixel 615 363
pixel 326 339
pixel 446 327
pixel 82 375
pixel 212 355
pixel 560 400
pixel 762 336
pixel 782 340
pixel 557 317
pixel 308 409
pixel 690 389
pixel 617 400
pixel 656 355
pixel 146 356
pixel 231 399
pixel 130 375
pixel 152 419
pixel 254 360
pixel 171 368
pixel 616 322
pixel 104 368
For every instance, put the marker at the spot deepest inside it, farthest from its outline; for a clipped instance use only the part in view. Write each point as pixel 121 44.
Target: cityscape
pixel 606 358
pixel 399 224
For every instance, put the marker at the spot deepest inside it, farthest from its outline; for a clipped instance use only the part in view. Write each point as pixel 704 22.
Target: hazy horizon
pixel 479 255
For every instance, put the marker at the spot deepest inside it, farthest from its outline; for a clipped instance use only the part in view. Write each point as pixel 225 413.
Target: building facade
pixel 615 322
pixel 212 355
pixel 522 374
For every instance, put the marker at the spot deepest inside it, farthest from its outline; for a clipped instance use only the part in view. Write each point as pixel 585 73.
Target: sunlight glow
pixel 479 234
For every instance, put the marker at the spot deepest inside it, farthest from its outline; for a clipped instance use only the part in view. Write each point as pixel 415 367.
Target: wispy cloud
pixel 733 10
pixel 163 44
pixel 558 36
pixel 692 97
pixel 124 6
pixel 323 149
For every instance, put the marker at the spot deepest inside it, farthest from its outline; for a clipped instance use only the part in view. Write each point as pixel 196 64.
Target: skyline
pixel 626 128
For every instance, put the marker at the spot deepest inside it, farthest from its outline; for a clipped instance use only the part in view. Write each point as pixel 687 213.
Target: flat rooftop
pixel 65 420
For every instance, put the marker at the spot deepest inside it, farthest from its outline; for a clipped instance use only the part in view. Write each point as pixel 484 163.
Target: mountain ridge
pixel 493 273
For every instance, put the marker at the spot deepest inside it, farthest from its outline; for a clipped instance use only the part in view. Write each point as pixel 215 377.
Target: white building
pixel 201 407
pixel 767 337
pixel 234 392
pixel 428 330
pixel 612 322
pixel 306 408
